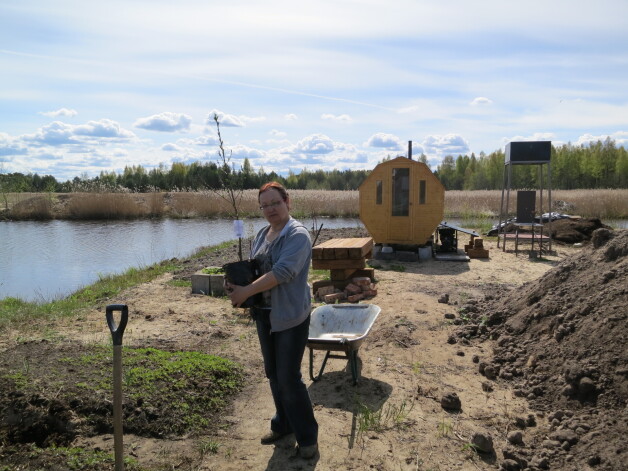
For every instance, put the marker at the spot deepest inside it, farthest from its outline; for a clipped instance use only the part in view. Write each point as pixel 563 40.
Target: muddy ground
pixel 509 362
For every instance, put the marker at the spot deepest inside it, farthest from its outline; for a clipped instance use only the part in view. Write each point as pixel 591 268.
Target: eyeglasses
pixel 266 207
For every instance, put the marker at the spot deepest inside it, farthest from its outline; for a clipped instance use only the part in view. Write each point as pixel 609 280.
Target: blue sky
pixel 88 86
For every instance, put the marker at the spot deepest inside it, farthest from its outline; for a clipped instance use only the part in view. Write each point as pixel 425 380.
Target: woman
pixel 283 250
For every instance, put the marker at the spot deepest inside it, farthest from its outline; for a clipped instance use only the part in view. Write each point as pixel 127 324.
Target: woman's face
pixel 274 208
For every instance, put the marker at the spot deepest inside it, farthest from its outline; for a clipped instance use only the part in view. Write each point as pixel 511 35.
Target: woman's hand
pixel 238 294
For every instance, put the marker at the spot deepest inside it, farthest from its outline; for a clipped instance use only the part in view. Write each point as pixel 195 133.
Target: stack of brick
pixel 477 250
pixel 359 288
pixel 350 279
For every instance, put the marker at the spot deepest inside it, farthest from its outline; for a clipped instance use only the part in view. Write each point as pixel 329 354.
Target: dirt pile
pixel 562 341
pixel 573 231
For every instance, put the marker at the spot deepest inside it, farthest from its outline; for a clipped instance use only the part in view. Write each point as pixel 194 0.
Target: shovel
pixel 116 334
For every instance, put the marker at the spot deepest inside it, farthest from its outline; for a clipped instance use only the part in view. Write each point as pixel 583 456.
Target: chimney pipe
pixel 410 150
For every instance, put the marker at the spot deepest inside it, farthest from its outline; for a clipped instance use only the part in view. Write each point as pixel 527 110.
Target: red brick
pixel 353 289
pixel 355 298
pixel 362 281
pixel 332 298
pixel 324 290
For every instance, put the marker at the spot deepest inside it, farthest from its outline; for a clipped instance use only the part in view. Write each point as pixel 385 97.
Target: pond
pixel 42 261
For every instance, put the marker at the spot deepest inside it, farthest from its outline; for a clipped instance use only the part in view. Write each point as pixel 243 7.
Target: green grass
pixel 386 417
pixel 35 458
pixel 166 381
pixel 213 271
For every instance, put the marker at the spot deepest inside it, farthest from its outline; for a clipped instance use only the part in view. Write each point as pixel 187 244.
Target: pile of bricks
pixel 475 249
pixel 359 288
pixel 350 279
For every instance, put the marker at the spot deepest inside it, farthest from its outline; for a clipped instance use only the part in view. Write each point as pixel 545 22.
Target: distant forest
pixel 598 165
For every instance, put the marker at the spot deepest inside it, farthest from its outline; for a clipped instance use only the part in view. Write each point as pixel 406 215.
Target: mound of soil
pixel 572 231
pixel 562 341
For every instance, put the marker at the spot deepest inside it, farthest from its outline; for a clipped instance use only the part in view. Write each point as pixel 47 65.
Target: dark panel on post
pixel 528 152
pixel 526 203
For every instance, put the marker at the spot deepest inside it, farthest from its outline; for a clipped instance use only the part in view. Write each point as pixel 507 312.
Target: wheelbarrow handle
pixel 117 330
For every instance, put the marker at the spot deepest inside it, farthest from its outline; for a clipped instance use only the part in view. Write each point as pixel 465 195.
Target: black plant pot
pixel 244 273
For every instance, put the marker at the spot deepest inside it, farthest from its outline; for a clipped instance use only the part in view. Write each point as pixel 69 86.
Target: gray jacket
pixel 291 255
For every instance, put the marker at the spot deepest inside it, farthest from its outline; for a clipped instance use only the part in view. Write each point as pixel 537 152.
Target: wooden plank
pixel 318 251
pixel 337 264
pixel 329 253
pixel 363 248
pixel 341 249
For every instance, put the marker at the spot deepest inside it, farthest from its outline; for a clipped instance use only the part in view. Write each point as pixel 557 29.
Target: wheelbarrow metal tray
pixel 341 327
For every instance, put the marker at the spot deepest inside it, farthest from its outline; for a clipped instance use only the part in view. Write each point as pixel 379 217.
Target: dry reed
pixel 105 206
pixel 34 208
pixel 603 204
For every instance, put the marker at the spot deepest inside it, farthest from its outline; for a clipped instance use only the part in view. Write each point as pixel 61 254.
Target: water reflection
pixel 41 261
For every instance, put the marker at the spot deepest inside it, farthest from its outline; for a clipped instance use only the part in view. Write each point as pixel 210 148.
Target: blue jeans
pixel 283 352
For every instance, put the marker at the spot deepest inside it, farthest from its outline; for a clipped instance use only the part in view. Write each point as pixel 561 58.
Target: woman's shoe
pixel 272 437
pixel 308 452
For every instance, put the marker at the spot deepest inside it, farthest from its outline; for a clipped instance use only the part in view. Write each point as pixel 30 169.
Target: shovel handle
pixel 117 330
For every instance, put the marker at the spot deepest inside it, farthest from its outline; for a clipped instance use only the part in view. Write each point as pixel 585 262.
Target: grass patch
pixel 388 416
pixel 213 271
pixel 33 458
pixel 165 393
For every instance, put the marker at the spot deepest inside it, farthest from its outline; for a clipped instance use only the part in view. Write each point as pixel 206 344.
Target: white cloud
pixel 240 152
pixel 224 119
pixel 277 134
pixel 170 147
pixel 537 136
pixel 55 133
pixel 388 141
pixel 165 122
pixel 60 112
pixel 343 118
pixel 205 140
pixel 481 101
pixel 60 133
pixel 448 144
pixel 10 146
pixel 314 144
pixel 252 119
pixel 103 128
pixel 291 117
pixel 620 138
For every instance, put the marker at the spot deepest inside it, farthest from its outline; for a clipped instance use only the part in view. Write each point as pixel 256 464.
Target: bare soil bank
pixel 533 350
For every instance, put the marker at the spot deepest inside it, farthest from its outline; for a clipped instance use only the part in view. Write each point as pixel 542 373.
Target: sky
pixel 89 86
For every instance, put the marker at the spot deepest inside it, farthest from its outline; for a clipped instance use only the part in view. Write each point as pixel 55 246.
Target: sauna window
pixel 421 191
pixel 401 191
pixel 378 192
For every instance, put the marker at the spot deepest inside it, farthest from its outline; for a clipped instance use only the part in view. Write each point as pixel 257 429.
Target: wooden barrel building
pixel 401 202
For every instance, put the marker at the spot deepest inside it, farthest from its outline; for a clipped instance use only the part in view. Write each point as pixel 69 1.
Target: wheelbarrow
pixel 340 328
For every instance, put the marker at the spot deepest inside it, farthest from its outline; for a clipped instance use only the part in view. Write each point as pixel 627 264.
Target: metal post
pixel 549 193
pixel 501 207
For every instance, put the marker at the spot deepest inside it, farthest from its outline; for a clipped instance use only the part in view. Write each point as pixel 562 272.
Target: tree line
pixel 601 164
